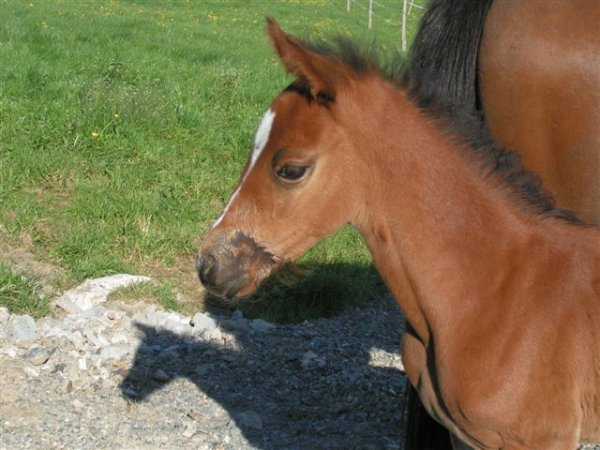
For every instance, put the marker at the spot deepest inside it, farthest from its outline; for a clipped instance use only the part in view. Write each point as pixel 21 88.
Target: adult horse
pixel 532 69
pixel 499 288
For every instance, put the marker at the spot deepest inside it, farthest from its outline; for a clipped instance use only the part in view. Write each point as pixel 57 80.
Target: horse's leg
pixel 422 431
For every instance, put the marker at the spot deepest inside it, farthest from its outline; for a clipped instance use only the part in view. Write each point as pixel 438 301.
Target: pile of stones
pixel 89 341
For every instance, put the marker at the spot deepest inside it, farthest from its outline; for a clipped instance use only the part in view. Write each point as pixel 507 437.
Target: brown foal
pixel 500 289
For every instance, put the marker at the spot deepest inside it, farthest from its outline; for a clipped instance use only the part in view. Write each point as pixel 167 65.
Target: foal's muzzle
pixel 232 264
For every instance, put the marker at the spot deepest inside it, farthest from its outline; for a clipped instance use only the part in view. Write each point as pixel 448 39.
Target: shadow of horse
pixel 311 385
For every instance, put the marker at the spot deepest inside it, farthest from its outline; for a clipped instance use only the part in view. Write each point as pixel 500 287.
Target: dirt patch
pixel 49 278
pixel 181 274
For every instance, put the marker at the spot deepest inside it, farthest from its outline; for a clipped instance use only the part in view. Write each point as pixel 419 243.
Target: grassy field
pixel 124 126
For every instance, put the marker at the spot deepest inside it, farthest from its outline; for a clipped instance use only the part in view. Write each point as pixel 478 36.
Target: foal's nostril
pixel 206 267
pixel 198 264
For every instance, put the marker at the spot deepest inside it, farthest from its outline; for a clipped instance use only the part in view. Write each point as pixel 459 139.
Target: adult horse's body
pixel 533 69
pixel 500 289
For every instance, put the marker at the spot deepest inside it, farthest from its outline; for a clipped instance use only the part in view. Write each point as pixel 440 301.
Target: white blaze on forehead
pixel 260 142
pixel 262 137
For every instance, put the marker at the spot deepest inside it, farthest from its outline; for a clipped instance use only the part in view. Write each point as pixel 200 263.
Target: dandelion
pixel 116 115
pixel 95 134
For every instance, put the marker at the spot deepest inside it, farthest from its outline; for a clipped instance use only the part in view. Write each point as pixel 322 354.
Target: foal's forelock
pixel 260 142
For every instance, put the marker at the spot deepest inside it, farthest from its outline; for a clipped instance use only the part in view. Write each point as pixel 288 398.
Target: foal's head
pixel 300 182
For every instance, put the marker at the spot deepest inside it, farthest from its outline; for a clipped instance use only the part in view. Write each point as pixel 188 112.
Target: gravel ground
pixel 132 376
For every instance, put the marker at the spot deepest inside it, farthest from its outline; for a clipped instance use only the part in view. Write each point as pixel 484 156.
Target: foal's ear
pixel 321 74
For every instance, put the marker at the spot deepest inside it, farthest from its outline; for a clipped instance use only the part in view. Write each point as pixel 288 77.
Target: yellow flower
pixel 95 135
pixel 116 115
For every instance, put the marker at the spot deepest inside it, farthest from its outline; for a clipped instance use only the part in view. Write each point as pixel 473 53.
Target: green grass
pixel 124 127
pixel 19 295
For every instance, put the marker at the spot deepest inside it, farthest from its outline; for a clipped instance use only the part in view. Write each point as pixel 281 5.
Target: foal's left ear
pixel 322 75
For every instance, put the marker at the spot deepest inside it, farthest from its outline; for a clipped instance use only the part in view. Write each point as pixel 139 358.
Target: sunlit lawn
pixel 124 126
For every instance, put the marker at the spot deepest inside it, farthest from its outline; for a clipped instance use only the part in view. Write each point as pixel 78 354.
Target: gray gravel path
pixel 132 376
pixel 122 376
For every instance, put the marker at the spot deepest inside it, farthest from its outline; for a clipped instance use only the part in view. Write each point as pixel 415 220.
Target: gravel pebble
pixel 4 315
pixel 160 375
pixel 249 419
pixel 203 322
pixel 38 355
pixel 261 326
pixel 22 328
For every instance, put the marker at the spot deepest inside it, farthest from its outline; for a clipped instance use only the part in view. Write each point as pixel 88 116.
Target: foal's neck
pixel 437 228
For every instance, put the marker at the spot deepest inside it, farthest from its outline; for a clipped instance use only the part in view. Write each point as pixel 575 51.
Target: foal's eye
pixel 291 172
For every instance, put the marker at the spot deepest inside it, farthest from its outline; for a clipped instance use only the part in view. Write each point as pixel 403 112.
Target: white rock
pixel 119 337
pixel 117 351
pixel 31 372
pixel 82 364
pixel 10 351
pixel 71 370
pixel 250 419
pixel 22 328
pixel 202 322
pixel 97 315
pixel 311 360
pixel 150 309
pixel 77 404
pixel 77 339
pixel 177 324
pixel 38 355
pixel 56 331
pixel 68 305
pixel 214 335
pixel 95 291
pixel 190 430
pixel 95 340
pixel 4 315
pixel 46 326
pixel 112 315
pixel 157 318
pixel 124 322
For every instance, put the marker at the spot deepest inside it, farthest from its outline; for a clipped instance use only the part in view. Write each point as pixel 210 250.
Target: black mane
pixel 448 99
pixel 443 57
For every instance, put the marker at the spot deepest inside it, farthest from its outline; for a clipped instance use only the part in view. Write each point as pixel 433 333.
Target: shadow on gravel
pixel 280 395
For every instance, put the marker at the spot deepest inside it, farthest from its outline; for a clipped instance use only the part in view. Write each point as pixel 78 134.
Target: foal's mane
pixel 459 122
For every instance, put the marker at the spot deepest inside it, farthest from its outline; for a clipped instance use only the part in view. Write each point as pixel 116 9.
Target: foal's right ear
pixel 322 75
